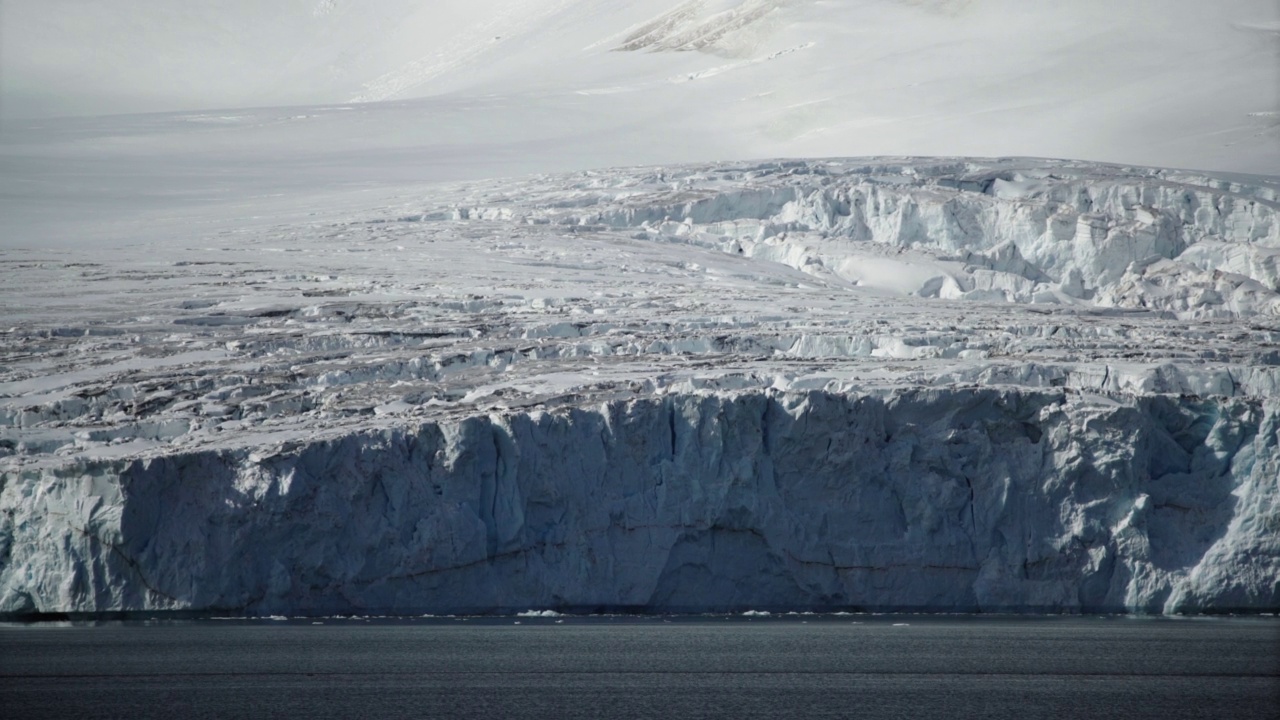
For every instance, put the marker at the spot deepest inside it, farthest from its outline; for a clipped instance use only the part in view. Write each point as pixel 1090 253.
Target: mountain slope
pixel 1173 83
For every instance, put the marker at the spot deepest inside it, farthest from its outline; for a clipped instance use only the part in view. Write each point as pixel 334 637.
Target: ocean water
pixel 652 667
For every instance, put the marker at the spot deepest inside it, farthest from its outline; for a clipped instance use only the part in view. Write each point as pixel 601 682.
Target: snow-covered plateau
pixel 948 385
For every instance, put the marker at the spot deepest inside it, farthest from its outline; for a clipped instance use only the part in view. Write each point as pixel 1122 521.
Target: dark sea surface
pixel 650 667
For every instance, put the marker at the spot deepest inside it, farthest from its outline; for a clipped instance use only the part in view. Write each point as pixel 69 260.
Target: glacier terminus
pixel 875 384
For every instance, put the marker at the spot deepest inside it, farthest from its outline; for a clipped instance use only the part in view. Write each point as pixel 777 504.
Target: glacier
pixel 946 500
pixel 851 384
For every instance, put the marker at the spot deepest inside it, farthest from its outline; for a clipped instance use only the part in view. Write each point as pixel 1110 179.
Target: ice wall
pixel 946 384
pixel 941 499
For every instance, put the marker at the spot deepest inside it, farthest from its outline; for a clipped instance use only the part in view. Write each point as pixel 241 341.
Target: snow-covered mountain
pixel 1177 83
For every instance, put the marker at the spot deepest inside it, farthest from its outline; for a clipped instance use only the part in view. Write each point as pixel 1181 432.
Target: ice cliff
pixel 974 499
pixel 942 385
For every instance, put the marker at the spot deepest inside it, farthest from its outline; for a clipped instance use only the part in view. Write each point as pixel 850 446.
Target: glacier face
pixel 913 384
pixel 958 500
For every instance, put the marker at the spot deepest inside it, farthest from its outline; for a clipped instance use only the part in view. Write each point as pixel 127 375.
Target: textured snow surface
pixel 943 384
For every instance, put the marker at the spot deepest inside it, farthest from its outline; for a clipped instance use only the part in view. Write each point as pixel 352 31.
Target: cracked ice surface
pixel 943 384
